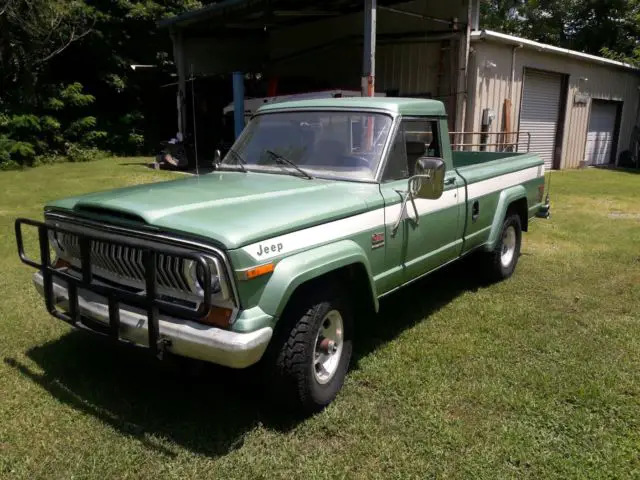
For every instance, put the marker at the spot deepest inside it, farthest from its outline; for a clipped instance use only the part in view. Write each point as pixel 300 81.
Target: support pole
pixel 178 52
pixel 369 52
pixel 238 102
pixel 475 14
pixel 463 75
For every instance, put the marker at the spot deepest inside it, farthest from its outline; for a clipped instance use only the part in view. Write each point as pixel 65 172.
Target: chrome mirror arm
pixel 406 196
pixel 415 209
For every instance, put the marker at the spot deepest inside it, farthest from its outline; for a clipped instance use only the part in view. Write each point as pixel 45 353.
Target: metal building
pixel 579 109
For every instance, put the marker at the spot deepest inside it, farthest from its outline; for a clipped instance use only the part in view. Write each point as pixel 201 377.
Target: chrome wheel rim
pixel 508 246
pixel 328 349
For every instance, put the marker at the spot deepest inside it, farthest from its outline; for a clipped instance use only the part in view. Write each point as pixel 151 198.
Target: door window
pixel 415 138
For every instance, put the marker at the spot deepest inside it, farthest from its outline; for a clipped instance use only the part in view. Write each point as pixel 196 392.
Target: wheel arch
pixel 342 262
pixel 511 200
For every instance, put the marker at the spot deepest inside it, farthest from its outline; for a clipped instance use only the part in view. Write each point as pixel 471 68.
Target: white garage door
pixel 540 112
pixel 600 136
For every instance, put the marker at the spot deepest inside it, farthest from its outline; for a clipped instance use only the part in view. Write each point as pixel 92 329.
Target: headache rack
pixel 149 301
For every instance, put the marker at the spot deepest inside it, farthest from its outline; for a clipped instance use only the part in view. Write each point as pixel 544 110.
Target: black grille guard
pixel 150 301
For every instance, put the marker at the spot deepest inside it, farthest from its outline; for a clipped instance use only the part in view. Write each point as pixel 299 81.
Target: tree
pixel 599 27
pixel 32 33
pixel 65 77
pixel 36 116
pixel 125 34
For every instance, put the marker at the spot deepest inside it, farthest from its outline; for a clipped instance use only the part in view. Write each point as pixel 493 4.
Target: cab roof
pixel 397 105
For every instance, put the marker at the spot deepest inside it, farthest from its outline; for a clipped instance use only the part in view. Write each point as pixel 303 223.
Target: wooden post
pixel 506 123
pixel 369 52
pixel 369 62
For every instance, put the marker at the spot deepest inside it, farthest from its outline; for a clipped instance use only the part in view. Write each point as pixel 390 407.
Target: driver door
pixel 417 245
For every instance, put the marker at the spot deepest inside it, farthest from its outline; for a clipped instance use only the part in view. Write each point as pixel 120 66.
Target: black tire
pixel 292 360
pixel 496 269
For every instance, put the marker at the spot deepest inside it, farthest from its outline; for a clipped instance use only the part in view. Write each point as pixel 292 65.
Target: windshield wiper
pixel 280 160
pixel 239 160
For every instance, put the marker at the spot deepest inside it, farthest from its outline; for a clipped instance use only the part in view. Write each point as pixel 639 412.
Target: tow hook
pixel 161 347
pixel 543 212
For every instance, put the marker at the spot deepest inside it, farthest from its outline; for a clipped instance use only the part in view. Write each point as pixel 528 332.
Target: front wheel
pixel 313 352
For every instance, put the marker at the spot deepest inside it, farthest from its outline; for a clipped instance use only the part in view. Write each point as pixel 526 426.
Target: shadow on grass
pixel 613 168
pixel 132 164
pixel 209 412
pixel 413 304
pixel 635 171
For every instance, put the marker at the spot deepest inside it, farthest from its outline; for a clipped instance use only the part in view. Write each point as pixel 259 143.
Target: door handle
pixel 475 211
pixel 450 181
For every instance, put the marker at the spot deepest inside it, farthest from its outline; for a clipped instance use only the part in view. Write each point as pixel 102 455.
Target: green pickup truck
pixel 320 208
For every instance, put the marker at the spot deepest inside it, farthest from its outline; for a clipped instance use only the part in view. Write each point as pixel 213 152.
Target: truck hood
pixel 233 208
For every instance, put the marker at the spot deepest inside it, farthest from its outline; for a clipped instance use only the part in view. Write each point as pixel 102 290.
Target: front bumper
pixel 182 337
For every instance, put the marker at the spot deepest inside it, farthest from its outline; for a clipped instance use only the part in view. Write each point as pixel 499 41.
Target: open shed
pixel 418 48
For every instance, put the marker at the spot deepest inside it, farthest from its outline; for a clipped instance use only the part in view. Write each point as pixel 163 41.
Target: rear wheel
pixel 312 352
pixel 502 260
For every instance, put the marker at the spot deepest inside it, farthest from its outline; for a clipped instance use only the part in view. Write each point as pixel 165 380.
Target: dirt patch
pixel 626 216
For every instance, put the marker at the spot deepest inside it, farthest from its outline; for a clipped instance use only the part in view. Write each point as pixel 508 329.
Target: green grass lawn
pixel 536 377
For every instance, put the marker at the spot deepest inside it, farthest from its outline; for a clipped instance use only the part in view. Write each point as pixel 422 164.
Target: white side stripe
pixel 450 198
pixel 496 184
pixel 317 235
pixel 346 227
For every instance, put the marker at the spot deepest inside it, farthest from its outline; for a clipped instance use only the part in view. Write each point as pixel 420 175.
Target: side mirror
pixel 428 182
pixel 217 156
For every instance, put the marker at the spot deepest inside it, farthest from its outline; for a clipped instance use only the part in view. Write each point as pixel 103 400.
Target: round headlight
pixel 55 242
pixel 200 275
pixel 215 281
pixel 57 246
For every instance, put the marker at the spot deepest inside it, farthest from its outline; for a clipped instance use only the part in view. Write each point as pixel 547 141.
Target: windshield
pixel 323 144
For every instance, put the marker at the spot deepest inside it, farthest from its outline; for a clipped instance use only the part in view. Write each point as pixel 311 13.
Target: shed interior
pixel 284 47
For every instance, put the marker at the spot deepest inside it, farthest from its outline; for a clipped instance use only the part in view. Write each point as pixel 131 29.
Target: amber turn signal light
pixel 258 271
pixel 60 263
pixel 218 317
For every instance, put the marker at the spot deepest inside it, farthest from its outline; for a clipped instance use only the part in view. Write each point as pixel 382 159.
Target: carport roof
pixel 543 47
pixel 281 12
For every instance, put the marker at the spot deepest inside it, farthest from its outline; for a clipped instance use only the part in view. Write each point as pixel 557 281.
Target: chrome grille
pixel 125 263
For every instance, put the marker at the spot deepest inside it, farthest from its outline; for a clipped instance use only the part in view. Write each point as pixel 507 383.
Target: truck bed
pixel 478 166
pixel 486 175
pixel 466 159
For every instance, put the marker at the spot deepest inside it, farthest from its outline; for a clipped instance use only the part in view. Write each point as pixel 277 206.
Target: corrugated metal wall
pixel 328 50
pixel 492 68
pixel 412 67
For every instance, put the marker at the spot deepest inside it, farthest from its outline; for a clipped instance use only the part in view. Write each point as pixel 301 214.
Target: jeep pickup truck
pixel 320 208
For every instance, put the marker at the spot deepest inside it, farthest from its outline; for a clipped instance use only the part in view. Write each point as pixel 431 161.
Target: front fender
pixel 507 197
pixel 297 269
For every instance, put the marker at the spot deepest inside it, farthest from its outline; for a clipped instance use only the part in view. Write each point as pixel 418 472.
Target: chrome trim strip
pixel 153 237
pixel 384 156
